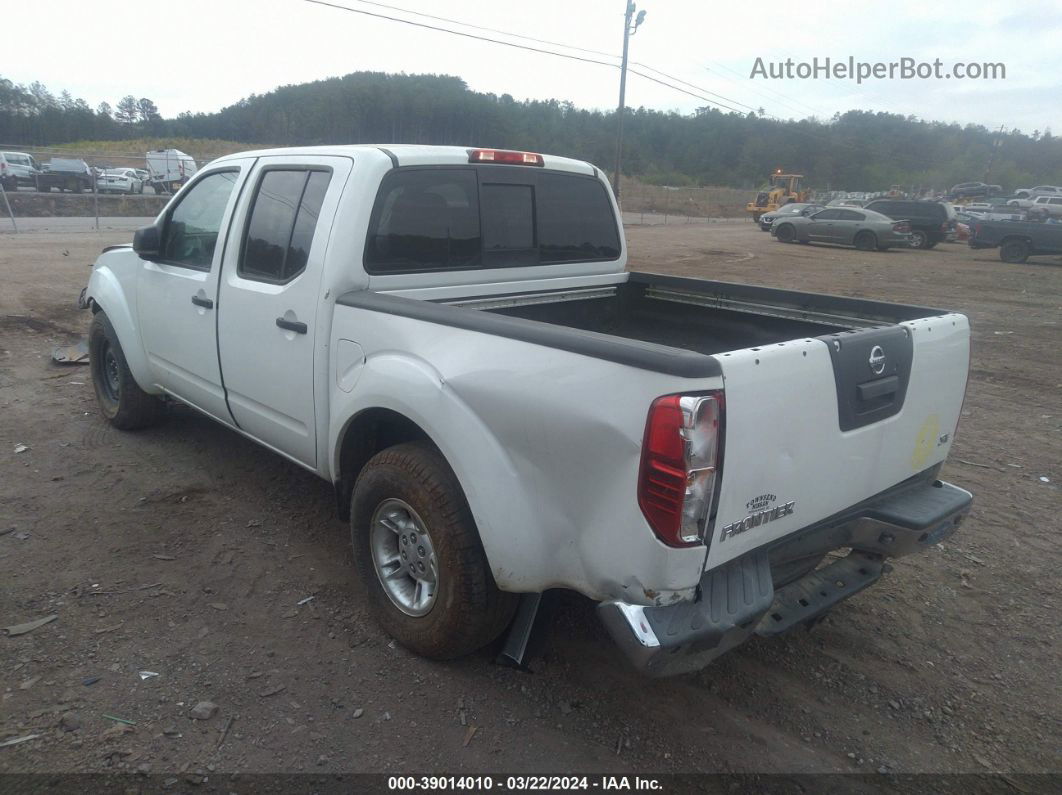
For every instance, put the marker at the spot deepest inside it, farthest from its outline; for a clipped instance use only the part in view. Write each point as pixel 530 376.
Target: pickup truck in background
pixel 451 338
pixel 66 174
pixel 1018 240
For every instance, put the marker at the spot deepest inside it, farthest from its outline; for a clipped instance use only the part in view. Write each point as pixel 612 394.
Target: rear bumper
pixel 740 599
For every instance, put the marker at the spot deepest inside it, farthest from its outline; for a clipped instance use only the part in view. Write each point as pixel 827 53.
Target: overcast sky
pixel 210 53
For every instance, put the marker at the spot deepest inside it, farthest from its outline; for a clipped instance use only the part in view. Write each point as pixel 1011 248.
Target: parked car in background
pixel 796 208
pixel 966 190
pixel 928 219
pixel 844 226
pixel 66 174
pixel 847 203
pixel 1045 206
pixel 997 214
pixel 169 169
pixel 1039 190
pixel 18 168
pixel 120 180
pixel 1017 240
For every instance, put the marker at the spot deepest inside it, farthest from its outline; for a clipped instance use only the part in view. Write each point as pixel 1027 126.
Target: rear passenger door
pixel 270 327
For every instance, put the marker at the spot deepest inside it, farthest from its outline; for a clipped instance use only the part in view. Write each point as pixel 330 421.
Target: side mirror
pixel 147 241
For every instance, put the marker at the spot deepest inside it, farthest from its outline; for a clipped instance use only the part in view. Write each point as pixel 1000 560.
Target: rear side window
pixel 852 215
pixel 429 219
pixel 283 218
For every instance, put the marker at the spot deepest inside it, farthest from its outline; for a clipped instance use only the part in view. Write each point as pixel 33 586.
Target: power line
pixel 684 91
pixel 778 97
pixel 460 33
pixel 691 85
pixel 553 44
pixel 516 46
pixel 489 30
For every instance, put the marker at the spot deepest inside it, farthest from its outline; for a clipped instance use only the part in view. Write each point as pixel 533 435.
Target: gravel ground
pixel 189 552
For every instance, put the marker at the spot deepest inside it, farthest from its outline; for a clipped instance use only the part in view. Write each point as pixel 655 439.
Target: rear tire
pixel 919 239
pixel 786 233
pixel 410 491
pixel 125 405
pixel 866 241
pixel 1014 251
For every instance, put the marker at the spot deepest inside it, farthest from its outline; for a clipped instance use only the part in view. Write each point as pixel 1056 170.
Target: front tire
pixel 786 233
pixel 418 553
pixel 125 405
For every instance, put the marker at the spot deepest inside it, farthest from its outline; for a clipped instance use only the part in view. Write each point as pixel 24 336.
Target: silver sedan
pixel 844 226
pixel 795 208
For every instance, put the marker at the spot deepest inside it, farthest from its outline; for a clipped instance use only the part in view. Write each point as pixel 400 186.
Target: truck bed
pixel 701 316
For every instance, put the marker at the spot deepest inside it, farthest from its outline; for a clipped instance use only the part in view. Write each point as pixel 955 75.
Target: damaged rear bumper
pixel 740 598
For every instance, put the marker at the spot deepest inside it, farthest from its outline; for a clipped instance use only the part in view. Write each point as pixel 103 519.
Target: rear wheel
pixel 919 239
pixel 866 241
pixel 418 552
pixel 1014 251
pixel 125 405
pixel 786 233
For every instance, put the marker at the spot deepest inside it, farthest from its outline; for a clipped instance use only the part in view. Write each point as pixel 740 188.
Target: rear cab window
pixel 474 217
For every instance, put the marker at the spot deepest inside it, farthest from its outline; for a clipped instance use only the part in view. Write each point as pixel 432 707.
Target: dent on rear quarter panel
pixel 545 443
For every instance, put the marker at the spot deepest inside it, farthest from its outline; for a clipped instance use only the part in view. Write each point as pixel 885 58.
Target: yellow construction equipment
pixel 782 189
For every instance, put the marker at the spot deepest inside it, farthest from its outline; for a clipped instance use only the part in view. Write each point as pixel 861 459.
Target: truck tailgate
pixel 814 426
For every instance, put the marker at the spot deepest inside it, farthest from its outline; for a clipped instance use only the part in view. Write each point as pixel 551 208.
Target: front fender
pixel 117 297
pixel 413 388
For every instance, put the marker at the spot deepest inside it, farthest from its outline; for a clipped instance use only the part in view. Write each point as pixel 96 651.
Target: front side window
pixel 191 232
pixel 282 222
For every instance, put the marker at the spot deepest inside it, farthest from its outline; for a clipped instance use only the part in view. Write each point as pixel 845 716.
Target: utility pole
pixel 995 147
pixel 628 31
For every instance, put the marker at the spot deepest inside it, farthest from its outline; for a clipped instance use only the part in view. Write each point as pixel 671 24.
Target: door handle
pixel 206 303
pixel 291 325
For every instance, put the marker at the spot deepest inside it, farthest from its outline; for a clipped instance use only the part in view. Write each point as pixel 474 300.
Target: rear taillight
pixel 901 226
pixel 680 464
pixel 505 157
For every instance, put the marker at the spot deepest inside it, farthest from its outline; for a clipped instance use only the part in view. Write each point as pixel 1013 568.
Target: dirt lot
pixel 188 551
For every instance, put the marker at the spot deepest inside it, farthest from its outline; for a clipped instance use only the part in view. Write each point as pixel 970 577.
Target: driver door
pixel 177 291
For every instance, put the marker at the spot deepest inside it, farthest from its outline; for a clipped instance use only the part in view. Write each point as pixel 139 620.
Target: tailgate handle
pixel 876 389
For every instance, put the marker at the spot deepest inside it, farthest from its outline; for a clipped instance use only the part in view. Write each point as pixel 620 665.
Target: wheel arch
pixel 105 294
pixel 366 434
pixel 399 398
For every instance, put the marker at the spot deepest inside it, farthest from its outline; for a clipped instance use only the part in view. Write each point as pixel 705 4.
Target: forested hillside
pixel 857 150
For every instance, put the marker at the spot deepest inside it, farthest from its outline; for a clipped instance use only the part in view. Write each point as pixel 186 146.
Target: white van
pixel 169 169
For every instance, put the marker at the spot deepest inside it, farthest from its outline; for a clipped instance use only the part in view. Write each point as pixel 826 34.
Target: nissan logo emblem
pixel 877 360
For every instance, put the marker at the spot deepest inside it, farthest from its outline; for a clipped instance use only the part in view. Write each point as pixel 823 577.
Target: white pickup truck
pixel 450 336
